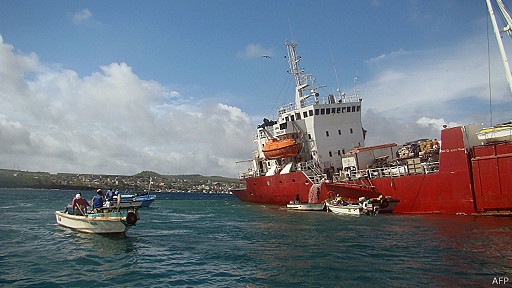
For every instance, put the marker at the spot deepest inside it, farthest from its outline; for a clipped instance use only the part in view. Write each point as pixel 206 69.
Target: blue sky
pixel 178 87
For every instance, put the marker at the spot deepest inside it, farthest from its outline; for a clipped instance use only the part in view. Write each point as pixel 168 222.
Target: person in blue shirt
pixel 98 200
pixel 110 195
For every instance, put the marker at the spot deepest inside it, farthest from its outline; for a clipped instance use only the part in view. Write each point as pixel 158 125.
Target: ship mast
pixel 497 32
pixel 301 80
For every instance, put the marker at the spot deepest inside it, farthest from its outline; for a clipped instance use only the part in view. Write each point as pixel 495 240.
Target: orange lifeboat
pixel 276 149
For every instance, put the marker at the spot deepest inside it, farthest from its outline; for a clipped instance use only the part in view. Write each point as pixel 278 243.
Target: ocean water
pixel 214 240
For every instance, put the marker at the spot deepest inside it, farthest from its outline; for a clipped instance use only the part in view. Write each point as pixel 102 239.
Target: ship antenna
pixel 335 71
pixel 356 90
pixel 291 30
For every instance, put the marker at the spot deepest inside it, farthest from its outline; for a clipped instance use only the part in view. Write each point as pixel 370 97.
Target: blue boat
pixel 146 200
pixel 136 200
pixel 139 200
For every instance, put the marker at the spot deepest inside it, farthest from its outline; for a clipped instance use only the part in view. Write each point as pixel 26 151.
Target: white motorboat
pixel 109 220
pixel 305 206
pixel 347 209
pixel 498 133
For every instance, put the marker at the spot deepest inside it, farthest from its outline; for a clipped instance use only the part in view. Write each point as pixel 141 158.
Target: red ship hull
pixel 476 182
pixel 279 189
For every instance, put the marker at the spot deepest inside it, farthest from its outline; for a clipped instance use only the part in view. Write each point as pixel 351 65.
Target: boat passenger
pixel 110 195
pixel 80 203
pixel 98 200
pixel 109 198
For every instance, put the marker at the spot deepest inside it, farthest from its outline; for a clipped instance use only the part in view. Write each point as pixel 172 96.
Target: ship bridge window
pixel 322 111
pixel 338 110
pixel 339 132
pixel 330 154
pixel 358 108
pixel 327 133
pixel 292 118
pixel 353 108
pixel 348 109
pixel 309 136
pixel 343 109
pixel 286 118
pixel 297 116
pixel 328 111
pixel 351 131
pixel 305 114
pixel 310 112
pixel 283 126
pixel 339 153
pixel 333 110
pixel 343 151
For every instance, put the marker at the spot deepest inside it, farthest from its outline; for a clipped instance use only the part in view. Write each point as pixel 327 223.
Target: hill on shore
pixel 137 182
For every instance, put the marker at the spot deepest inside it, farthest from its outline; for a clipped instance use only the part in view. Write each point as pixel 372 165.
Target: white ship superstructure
pixel 324 126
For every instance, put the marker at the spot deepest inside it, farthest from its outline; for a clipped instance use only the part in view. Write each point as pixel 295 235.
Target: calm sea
pixel 214 240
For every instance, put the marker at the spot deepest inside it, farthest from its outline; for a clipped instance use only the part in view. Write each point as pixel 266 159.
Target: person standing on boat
pixel 98 200
pixel 109 197
pixel 80 203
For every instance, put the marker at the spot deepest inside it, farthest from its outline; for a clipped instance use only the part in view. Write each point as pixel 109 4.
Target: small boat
pixel 277 149
pixel 146 200
pixel 385 205
pixel 110 220
pixel 130 200
pixel 305 206
pixel 347 209
pixel 498 133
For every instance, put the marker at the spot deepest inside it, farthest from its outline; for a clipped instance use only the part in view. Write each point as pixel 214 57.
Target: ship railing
pixel 248 174
pixel 430 167
pixel 395 171
pixel 312 170
pixel 312 101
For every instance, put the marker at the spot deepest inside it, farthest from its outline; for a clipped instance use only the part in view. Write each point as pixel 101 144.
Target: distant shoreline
pixel 137 182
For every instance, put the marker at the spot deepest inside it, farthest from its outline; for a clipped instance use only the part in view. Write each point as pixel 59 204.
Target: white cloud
pixel 389 56
pixel 82 16
pixel 436 124
pixel 255 50
pixel 414 93
pixel 111 122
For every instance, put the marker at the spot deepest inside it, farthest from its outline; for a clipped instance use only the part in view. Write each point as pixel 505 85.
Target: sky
pixel 178 87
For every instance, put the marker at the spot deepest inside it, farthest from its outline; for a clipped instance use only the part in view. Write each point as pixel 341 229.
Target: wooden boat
pixel 276 149
pixel 348 209
pixel 305 206
pixel 109 221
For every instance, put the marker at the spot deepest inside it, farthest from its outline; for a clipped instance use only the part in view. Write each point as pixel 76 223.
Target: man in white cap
pixel 80 203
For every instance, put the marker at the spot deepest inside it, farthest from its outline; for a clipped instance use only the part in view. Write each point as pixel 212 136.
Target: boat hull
pixel 475 180
pixel 147 200
pixel 352 210
pixel 306 206
pixel 279 189
pixel 90 224
pixel 499 134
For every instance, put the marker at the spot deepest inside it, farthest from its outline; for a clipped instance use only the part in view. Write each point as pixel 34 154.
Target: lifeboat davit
pixel 276 149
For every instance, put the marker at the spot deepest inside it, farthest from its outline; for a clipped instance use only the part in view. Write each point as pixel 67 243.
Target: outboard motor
pixel 132 218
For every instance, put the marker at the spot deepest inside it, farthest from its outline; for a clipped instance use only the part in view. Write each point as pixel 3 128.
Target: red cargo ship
pixel 469 173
